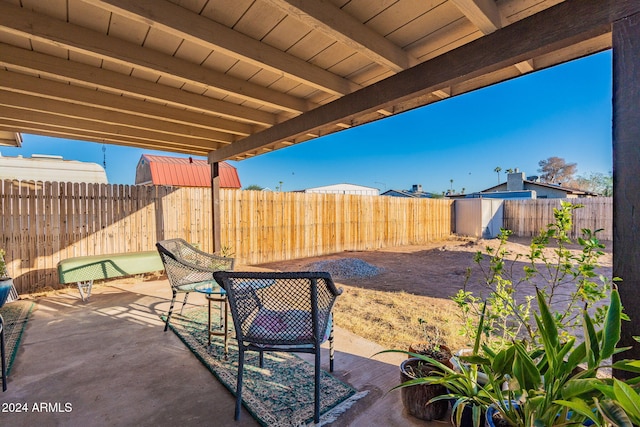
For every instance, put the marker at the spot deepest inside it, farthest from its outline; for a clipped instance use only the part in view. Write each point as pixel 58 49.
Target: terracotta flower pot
pixel 416 397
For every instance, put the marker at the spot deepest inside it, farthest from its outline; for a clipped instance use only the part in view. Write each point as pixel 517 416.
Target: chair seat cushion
pixel 207 286
pixel 287 325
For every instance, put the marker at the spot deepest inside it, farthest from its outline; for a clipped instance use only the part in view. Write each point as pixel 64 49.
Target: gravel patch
pixel 346 268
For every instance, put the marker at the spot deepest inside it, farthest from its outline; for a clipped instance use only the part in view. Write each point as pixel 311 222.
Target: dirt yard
pixel 429 275
pixel 436 270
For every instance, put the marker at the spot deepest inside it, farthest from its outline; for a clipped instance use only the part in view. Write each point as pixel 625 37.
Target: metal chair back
pixel 285 312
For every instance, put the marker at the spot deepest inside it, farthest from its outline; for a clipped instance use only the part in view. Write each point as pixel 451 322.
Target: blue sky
pixel 564 111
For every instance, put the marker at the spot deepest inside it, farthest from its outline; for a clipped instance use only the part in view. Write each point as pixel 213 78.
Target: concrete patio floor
pixel 107 362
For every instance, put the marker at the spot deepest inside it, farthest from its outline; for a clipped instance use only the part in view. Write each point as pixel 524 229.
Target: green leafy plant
pixel 504 317
pixel 567 281
pixel 622 405
pixel 550 382
pixel 541 363
pixel 226 252
pixel 465 388
pixel 4 274
pixel 555 383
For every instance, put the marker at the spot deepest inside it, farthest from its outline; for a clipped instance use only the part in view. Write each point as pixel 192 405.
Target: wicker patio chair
pixel 187 267
pixel 281 312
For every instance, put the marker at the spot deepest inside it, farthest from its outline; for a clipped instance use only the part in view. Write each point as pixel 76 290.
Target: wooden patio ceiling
pixel 235 79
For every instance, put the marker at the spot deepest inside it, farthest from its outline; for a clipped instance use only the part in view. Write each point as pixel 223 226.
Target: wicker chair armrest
pixel 186 264
pixel 207 262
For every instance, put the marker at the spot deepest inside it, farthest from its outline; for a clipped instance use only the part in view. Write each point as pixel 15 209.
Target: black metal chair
pixel 188 267
pixel 4 360
pixel 281 312
pixel 4 293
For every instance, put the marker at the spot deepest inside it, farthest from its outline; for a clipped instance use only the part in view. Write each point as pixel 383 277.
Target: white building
pixel 359 190
pixel 40 167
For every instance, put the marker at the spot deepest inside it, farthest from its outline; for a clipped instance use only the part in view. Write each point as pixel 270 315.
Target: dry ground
pixel 417 282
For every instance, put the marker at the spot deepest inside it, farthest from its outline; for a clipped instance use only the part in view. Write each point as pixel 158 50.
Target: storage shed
pixel 182 172
pixel 480 218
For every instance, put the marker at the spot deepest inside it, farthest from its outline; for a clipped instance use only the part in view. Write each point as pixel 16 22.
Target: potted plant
pixel 461 387
pixel 546 383
pixel 432 345
pixel 555 382
pixel 538 372
pixel 418 400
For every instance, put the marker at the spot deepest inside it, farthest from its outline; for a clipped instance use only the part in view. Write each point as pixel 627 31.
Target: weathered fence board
pixel 43 223
pixel 527 217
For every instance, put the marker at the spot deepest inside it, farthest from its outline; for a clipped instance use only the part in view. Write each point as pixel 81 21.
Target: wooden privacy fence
pixel 527 217
pixel 44 222
pixel 264 226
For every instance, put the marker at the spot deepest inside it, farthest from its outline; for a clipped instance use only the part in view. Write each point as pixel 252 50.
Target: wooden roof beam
pixel 443 93
pixel 60 108
pixel 52 121
pixel 59 68
pixel 323 16
pixel 10 139
pixel 205 32
pixel 484 14
pixel 96 137
pixel 560 26
pixel 191 122
pixel 25 23
pixel 525 66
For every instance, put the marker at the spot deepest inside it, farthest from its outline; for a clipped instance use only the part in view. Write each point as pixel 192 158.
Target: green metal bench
pixel 84 270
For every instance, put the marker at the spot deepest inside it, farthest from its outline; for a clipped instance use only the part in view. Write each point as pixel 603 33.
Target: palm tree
pixel 497 170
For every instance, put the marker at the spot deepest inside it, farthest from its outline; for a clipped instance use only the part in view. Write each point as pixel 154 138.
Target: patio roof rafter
pixel 21 22
pixel 333 22
pixel 205 32
pixel 83 74
pixel 483 13
pixel 566 24
pixel 60 110
pixel 185 122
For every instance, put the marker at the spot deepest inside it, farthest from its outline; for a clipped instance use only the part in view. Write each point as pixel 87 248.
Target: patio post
pixel 626 183
pixel 215 206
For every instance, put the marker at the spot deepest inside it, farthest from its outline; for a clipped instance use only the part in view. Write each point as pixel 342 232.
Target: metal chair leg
pixel 173 300
pixel 331 349
pixel 316 403
pixel 239 383
pixel 184 302
pixel 2 354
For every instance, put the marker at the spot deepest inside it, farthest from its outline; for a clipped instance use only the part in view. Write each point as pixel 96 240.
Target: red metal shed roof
pixel 188 172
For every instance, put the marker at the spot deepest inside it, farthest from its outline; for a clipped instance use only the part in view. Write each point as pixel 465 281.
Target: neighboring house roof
pixel 525 184
pixel 344 189
pixel 407 193
pixel 41 167
pixel 530 185
pixel 183 172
